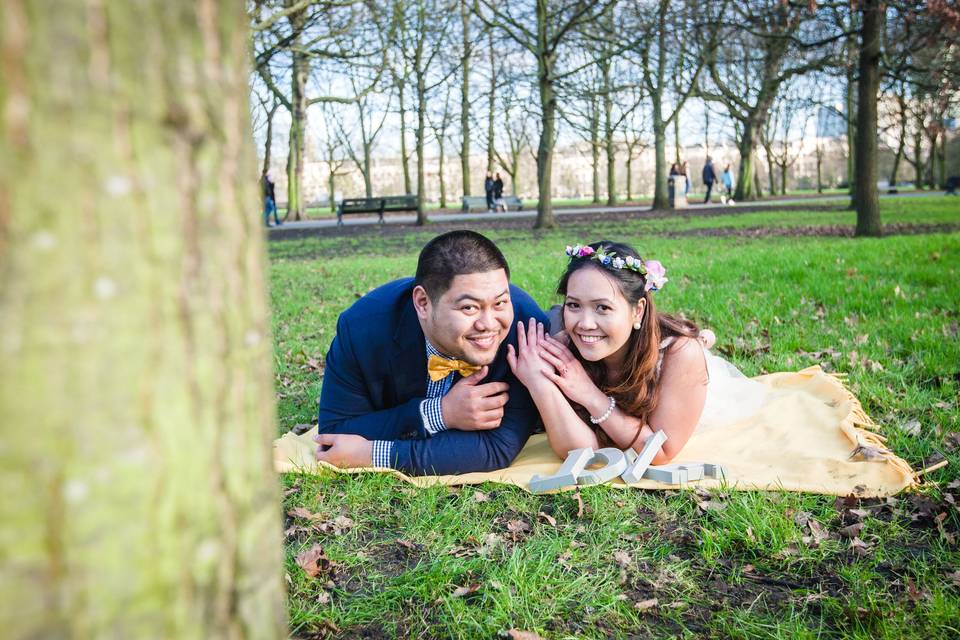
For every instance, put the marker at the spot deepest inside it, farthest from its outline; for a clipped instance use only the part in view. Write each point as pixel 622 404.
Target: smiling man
pixel 417 379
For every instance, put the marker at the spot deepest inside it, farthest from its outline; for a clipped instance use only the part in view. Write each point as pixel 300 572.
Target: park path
pixel 406 219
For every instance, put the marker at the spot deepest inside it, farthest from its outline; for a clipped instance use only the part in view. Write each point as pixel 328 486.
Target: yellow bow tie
pixel 439 368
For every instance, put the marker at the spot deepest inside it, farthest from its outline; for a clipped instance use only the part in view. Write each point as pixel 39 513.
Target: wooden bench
pixel 379 206
pixel 480 202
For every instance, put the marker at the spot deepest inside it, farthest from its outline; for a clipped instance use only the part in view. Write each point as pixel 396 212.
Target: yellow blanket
pixel 812 436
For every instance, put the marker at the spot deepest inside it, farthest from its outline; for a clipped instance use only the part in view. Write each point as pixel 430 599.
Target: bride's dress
pixel 731 396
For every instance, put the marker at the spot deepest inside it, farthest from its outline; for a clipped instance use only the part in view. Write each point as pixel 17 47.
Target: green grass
pixel 885 311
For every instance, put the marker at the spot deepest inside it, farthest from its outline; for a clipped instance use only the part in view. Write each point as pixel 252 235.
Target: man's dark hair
pixel 456 253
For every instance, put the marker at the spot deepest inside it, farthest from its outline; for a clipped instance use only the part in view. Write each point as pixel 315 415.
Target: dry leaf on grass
pixel 516 634
pixel 912 428
pixel 852 531
pixel 480 496
pixel 518 526
pixel 314 561
pixel 644 605
pixel 623 559
pixel 460 592
pixel 712 505
pixel 860 547
pixel 817 534
pixel 550 519
pixel 579 499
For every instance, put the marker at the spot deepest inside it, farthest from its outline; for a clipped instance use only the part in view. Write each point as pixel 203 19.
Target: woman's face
pixel 596 316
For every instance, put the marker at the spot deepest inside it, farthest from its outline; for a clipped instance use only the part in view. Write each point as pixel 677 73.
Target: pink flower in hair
pixel 656 275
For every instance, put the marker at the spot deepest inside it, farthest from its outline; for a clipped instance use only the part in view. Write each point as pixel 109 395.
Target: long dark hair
pixel 635 386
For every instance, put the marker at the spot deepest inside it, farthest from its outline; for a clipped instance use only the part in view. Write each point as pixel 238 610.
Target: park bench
pixel 480 202
pixel 379 206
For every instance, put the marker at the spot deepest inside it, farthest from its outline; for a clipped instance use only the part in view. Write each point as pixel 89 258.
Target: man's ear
pixel 421 302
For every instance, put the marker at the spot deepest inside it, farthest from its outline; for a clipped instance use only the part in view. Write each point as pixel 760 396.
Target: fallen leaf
pixel 292 490
pixel 860 547
pixel 712 505
pixel 623 559
pixel 550 519
pixel 818 533
pixel 852 531
pixel 406 544
pixel 480 496
pixel 912 428
pixel 460 592
pixel 913 592
pixel 748 568
pixel 644 605
pixel 516 634
pixel 579 499
pixel 801 518
pixel 750 535
pixel 323 597
pixel 954 577
pixel 303 512
pixel 314 561
pixel 518 526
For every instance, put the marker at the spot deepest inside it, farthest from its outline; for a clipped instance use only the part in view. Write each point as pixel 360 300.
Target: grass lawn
pixel 477 562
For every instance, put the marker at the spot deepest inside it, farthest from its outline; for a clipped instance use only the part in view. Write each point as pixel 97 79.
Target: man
pixel 498 194
pixel 417 378
pixel 709 177
pixel 488 187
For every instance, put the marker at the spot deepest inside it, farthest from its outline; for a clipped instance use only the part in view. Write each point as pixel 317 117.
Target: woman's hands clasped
pixel 541 358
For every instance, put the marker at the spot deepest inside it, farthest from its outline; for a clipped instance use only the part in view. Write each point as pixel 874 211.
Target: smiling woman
pixel 630 369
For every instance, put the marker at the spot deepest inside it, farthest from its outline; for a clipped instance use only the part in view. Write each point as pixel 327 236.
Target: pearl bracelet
pixel 613 403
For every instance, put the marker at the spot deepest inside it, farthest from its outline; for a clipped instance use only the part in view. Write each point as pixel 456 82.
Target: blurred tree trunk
pixel 135 362
pixel 298 120
pixel 868 86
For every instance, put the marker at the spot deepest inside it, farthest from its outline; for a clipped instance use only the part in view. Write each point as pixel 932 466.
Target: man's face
pixel 471 319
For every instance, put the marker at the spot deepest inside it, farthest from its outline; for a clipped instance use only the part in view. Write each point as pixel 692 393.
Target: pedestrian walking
pixel 727 179
pixel 488 188
pixel 269 199
pixel 498 194
pixel 709 177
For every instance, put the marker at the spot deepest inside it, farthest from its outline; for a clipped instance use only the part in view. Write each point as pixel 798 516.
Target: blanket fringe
pixel 862 422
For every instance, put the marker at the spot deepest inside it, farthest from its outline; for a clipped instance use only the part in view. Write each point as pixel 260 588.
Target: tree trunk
pixel 771 176
pixel 421 132
pixel 367 162
pixel 548 114
pixel 868 85
pixel 491 103
pixel 608 133
pixel 676 137
pixel 443 183
pixel 465 97
pixel 135 364
pixel 404 156
pixel 758 190
pixel 746 180
pixel 819 169
pixel 942 161
pixel 298 127
pixel 783 179
pixel 851 106
pixel 629 175
pixel 661 197
pixel 901 142
pixel 595 148
pixel 268 143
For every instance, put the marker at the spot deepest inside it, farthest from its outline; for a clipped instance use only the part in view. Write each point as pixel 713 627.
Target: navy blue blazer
pixel 376 377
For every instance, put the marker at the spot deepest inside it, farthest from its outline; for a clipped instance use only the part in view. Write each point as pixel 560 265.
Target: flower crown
pixel 654 273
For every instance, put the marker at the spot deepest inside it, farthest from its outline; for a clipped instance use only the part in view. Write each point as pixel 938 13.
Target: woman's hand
pixel 567 372
pixel 526 362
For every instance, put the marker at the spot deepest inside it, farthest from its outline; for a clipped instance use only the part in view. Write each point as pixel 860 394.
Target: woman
pixel 628 369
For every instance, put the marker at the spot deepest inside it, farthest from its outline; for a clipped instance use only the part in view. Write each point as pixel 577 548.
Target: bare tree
pixel 752 49
pixel 543 29
pixel 371 114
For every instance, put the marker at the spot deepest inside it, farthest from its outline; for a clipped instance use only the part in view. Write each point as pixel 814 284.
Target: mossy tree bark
pixel 135 375
pixel 467 53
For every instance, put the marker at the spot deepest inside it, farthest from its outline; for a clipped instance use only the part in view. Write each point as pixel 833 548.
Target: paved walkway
pixel 355 220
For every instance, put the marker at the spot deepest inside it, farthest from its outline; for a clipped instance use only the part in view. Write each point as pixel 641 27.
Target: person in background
pixel 709 177
pixel 488 188
pixel 269 199
pixel 727 179
pixel 498 194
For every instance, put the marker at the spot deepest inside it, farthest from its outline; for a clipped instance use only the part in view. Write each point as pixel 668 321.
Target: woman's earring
pixel 638 324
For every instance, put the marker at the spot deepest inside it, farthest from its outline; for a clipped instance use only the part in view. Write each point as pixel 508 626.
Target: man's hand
pixel 471 406
pixel 344 450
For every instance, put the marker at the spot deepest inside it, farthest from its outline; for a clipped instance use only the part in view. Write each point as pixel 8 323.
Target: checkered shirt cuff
pixel 382 450
pixel 432 415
